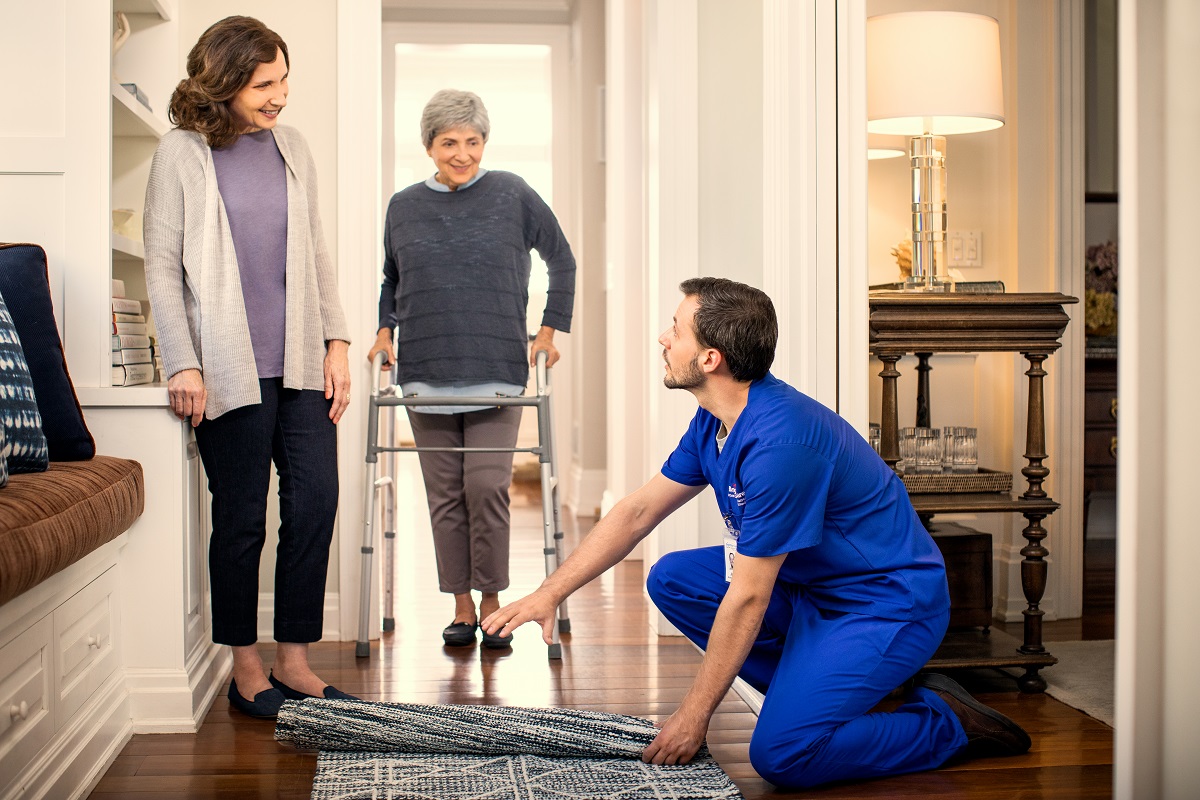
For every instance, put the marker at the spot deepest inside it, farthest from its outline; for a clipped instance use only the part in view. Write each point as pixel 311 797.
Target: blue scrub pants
pixel 822 672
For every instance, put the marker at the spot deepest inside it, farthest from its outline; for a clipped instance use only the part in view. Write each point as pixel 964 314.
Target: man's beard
pixel 689 378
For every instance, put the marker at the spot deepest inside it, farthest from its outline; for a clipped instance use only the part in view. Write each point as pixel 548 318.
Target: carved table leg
pixel 889 434
pixel 1035 432
pixel 923 369
pixel 1033 565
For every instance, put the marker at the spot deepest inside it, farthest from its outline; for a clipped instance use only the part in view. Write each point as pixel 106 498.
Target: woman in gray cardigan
pixel 253 341
pixel 455 286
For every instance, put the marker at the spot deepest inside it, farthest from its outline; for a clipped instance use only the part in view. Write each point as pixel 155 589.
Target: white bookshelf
pixel 132 119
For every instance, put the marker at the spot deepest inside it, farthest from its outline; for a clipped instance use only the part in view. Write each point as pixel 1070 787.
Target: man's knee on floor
pixel 662 580
pixel 792 764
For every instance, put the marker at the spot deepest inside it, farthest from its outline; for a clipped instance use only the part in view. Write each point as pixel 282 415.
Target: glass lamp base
pixel 927 283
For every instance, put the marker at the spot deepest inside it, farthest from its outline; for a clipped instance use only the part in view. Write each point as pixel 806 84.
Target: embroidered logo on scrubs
pixel 739 497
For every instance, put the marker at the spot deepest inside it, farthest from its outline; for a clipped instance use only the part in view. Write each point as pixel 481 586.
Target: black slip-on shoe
pixel 495 642
pixel 459 634
pixel 266 704
pixel 331 693
pixel 989 733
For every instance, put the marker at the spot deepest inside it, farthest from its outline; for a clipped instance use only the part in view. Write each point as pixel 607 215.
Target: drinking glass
pixel 927 453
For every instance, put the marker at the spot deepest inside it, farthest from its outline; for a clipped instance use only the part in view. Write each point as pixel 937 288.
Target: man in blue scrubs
pixel 827 594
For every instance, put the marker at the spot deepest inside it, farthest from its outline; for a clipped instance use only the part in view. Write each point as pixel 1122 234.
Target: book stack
pixel 132 353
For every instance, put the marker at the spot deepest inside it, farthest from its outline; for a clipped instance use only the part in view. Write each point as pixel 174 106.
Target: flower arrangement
pixel 1100 289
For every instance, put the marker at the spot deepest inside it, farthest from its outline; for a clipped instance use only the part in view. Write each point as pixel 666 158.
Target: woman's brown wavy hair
pixel 219 66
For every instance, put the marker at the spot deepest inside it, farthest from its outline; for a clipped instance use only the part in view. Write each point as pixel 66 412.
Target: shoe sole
pixel 497 643
pixel 933 680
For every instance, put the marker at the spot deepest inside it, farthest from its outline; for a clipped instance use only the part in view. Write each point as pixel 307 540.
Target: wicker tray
pixel 985 480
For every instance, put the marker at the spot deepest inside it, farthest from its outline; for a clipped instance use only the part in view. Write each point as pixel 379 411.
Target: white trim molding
pixel 359 256
pixel 1066 537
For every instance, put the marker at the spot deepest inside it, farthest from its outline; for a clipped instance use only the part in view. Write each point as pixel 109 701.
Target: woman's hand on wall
pixel 383 343
pixel 544 341
pixel 188 395
pixel 337 377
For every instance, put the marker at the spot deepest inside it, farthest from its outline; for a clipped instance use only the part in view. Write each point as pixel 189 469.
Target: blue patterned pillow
pixel 24 448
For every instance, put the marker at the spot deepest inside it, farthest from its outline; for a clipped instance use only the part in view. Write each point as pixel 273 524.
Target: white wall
pixel 1158 643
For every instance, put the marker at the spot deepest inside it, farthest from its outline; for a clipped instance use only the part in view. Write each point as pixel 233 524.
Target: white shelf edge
pixel 159 7
pixel 147 395
pixel 128 247
pixel 126 104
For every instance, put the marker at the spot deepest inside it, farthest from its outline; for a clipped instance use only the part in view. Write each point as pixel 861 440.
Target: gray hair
pixel 451 108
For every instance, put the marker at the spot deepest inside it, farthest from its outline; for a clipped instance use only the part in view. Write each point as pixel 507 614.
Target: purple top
pixel 252 180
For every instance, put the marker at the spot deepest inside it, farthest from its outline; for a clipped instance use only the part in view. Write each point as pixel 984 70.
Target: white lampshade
pixel 933 72
pixel 881 146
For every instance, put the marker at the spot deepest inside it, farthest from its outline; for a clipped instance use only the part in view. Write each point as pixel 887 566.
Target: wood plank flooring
pixel 611 663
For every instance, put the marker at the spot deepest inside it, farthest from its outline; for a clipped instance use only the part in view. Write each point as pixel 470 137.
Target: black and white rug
pixel 399 751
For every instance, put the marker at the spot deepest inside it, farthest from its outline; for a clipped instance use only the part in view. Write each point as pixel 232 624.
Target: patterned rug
pixel 400 751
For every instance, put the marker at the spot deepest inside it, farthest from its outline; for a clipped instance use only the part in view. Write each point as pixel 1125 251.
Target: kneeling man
pixel 828 592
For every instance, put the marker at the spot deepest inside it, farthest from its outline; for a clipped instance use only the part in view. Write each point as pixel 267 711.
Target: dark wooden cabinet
pixel 1099 420
pixel 1029 324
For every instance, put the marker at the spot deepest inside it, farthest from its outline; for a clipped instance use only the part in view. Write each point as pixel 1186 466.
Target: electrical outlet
pixel 964 248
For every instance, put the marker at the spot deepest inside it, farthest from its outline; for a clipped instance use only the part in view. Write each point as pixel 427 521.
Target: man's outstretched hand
pixel 538 607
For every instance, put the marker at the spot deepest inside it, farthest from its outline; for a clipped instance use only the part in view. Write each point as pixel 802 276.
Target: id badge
pixel 730 538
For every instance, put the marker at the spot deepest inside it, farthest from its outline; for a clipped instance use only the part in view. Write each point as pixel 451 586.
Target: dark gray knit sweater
pixel 456 279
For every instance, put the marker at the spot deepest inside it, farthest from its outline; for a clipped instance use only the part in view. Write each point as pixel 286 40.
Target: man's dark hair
pixel 736 320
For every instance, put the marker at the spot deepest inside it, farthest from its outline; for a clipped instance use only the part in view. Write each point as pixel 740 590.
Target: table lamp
pixel 931 74
pixel 881 146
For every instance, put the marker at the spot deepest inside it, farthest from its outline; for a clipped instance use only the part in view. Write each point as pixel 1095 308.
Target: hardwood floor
pixel 611 662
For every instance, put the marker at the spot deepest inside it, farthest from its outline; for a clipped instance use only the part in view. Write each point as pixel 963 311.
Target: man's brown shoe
pixel 989 733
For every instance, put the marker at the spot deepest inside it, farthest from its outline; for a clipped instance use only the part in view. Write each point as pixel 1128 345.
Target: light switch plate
pixel 964 248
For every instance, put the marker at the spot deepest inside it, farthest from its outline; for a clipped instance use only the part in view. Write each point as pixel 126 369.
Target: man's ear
pixel 711 360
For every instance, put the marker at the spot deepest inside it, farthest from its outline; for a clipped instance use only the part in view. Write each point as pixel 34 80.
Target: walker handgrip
pixel 376 370
pixel 542 382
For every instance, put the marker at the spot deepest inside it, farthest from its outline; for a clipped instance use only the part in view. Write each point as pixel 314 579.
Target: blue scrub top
pixel 793 477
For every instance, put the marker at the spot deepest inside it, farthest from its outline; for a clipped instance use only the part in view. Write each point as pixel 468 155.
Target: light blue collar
pixel 432 182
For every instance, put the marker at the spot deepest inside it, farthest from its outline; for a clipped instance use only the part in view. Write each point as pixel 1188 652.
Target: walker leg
pixel 549 550
pixel 363 647
pixel 564 620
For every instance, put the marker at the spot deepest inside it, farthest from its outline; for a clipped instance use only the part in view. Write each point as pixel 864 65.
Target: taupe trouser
pixel 468 495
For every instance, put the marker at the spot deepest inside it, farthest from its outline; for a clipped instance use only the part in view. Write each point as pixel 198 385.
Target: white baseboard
pixel 587 490
pixel 176 700
pixel 71 764
pixel 753 697
pixel 331 625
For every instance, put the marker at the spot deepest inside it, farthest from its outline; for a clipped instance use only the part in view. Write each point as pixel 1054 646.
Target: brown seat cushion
pixel 51 519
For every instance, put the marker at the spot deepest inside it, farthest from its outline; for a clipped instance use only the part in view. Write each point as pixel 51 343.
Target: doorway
pixel 520 72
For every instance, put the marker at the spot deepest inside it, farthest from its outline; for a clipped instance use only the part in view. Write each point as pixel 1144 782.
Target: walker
pixel 551 508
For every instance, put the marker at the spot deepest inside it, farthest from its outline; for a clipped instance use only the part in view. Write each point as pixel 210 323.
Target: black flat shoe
pixel 266 703
pixel 288 692
pixel 459 634
pixel 495 642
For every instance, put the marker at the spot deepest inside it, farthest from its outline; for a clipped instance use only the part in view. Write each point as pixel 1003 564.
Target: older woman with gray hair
pixel 455 287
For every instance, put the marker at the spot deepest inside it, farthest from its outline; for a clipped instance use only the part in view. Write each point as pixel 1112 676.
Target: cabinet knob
pixel 19 711
pixel 1112 408
pixel 1112 447
pixel 94 641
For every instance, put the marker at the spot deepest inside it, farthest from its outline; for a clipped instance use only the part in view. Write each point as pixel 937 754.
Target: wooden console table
pixel 1030 324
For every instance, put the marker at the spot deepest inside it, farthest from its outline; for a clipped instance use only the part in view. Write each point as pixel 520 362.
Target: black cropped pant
pixel 291 428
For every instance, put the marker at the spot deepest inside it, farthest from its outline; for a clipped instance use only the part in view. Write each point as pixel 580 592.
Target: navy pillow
pixel 24 447
pixel 25 283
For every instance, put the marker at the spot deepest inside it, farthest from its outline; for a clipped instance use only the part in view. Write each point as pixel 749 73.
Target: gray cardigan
pixel 193 280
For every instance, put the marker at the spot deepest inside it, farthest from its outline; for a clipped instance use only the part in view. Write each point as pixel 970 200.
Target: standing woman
pixel 253 341
pixel 455 287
